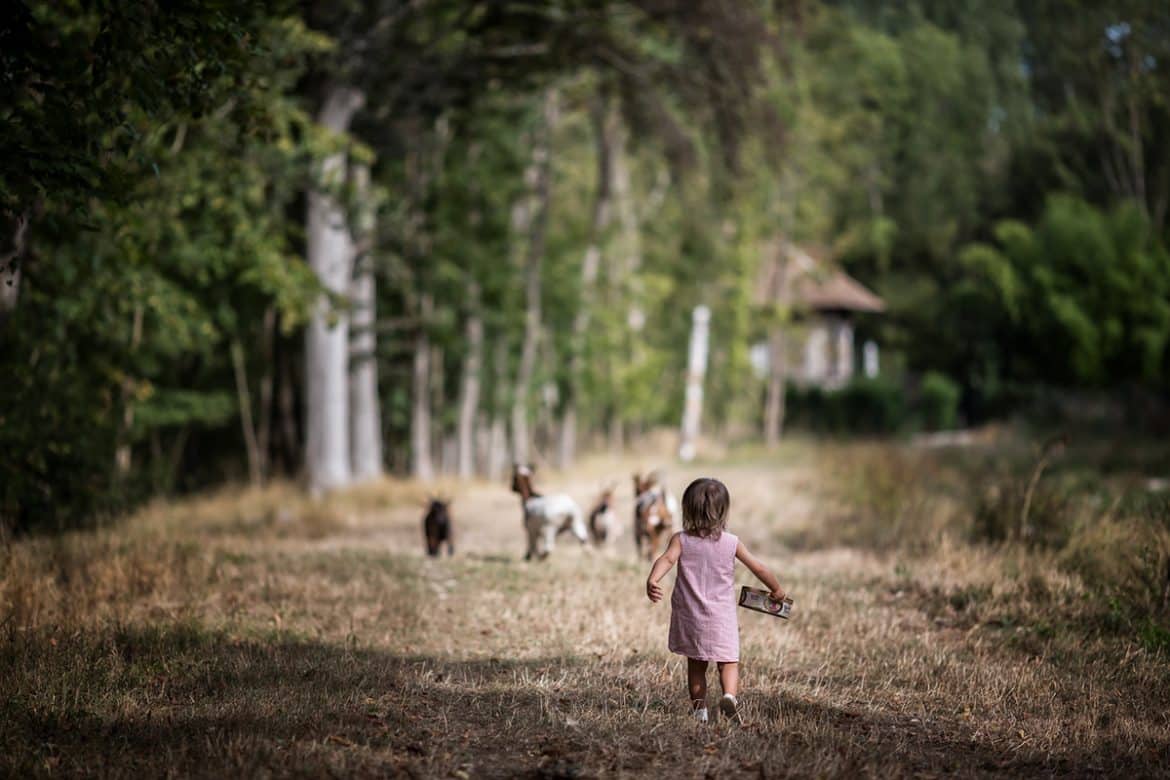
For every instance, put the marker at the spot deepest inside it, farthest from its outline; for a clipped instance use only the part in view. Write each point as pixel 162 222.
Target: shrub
pixel 938 401
pixel 870 406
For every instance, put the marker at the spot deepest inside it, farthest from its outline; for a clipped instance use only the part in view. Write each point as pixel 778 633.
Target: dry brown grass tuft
pixel 256 633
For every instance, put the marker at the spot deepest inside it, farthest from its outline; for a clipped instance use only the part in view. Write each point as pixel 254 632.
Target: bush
pixel 938 401
pixel 872 406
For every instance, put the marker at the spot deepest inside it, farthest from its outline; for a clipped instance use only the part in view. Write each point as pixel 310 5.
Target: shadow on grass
pixel 179 700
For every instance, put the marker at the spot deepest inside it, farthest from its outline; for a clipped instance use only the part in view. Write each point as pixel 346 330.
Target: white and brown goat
pixel 546 517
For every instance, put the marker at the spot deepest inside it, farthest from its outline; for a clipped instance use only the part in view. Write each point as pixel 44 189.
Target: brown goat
pixel 652 517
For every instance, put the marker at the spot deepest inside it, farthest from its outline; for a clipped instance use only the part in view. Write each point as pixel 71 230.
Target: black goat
pixel 437 527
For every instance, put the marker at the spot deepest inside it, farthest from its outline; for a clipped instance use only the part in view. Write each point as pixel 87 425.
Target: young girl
pixel 703 624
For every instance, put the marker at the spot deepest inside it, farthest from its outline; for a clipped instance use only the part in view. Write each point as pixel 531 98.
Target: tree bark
pixel 364 414
pixel 330 252
pixel 539 177
pixel 420 419
pixel 469 390
pixel 603 131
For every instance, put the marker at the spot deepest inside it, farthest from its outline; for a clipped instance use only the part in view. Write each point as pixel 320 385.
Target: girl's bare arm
pixel 762 572
pixel 665 563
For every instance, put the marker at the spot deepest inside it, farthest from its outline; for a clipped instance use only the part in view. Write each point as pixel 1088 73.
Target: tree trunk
pixel 251 445
pixel 696 370
pixel 264 421
pixel 539 175
pixel 286 401
pixel 330 251
pixel 603 131
pixel 497 459
pixel 777 380
pixel 626 280
pixel 420 418
pixel 469 391
pixel 364 413
pixel 778 348
pixel 10 262
pixel 123 453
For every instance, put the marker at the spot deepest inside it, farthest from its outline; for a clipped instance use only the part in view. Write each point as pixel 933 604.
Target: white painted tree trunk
pixel 330 253
pixel 696 371
pixel 604 128
pixel 539 176
pixel 364 411
pixel 422 466
pixel 470 384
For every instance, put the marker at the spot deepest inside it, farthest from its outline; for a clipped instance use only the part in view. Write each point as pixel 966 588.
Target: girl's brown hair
pixel 704 508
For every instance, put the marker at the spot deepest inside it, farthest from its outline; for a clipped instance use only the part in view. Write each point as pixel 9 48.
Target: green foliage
pixel 996 171
pixel 864 406
pixel 121 330
pixel 938 401
pixel 70 73
pixel 1082 299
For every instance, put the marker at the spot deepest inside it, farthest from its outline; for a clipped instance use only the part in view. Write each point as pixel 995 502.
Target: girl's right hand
pixel 778 595
pixel 653 591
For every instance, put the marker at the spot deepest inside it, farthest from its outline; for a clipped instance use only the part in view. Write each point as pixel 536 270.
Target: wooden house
pixel 824 302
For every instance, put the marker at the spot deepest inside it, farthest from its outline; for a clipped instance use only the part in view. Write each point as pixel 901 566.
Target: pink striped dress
pixel 703 622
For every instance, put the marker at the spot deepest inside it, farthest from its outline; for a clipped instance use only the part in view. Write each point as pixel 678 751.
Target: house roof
pixel 793 272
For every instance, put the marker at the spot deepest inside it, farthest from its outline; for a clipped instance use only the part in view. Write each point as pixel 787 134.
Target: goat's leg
pixel 550 537
pixel 577 525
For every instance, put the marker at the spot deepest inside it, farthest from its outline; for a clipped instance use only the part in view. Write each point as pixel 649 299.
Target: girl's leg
pixel 697 682
pixel 729 678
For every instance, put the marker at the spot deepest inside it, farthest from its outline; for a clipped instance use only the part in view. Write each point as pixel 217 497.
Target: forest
pixel 274 274
pixel 332 240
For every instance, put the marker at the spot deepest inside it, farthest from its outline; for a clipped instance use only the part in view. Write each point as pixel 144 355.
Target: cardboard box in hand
pixel 761 601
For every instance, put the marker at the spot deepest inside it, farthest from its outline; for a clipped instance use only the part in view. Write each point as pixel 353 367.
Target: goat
pixel 546 517
pixel 437 527
pixel 602 520
pixel 653 517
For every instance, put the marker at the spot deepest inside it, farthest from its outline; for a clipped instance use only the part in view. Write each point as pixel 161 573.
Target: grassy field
pixel 255 633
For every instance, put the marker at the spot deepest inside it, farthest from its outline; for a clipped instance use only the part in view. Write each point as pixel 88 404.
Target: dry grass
pixel 255 633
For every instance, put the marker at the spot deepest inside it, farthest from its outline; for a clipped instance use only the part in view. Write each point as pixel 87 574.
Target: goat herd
pixel 546 517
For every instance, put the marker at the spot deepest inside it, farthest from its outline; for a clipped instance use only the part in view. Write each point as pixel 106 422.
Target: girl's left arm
pixel 665 563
